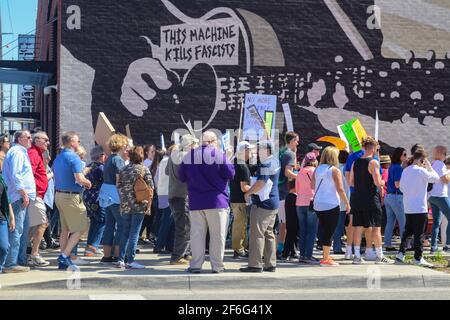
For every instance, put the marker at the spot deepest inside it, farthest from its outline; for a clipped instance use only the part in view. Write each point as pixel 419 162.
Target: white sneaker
pixel 37 261
pixel 120 265
pixel 383 260
pixel 358 260
pixel 134 265
pixel 80 262
pixel 423 263
pixel 348 256
pixel 400 257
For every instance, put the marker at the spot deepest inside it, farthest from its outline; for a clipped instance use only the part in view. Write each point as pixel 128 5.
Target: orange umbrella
pixel 337 142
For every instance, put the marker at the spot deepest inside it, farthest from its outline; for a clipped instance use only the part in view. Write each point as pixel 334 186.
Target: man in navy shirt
pixel 69 183
pixel 263 212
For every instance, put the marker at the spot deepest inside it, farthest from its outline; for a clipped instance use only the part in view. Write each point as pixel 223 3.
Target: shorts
pixel 37 212
pixel 367 217
pixel 282 212
pixel 366 213
pixel 349 216
pixel 72 212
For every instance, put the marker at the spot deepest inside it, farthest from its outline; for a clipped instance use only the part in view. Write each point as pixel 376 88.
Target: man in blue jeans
pixel 18 176
pixel 439 200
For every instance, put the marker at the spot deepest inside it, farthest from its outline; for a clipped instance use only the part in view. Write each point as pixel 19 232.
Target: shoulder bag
pixel 141 189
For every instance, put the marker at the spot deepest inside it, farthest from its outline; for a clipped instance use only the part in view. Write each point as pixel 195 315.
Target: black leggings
pixel 328 221
pixel 291 241
pixel 416 224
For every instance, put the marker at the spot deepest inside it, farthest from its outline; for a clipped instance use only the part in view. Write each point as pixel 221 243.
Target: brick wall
pixel 46 50
pixel 330 60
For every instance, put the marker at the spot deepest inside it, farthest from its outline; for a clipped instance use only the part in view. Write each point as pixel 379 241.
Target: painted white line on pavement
pixel 116 297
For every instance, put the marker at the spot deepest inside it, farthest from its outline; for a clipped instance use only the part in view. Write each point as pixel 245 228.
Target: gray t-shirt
pixel 288 158
pixel 177 189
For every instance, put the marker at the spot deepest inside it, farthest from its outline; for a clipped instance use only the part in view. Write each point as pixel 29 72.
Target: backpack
pixel 141 189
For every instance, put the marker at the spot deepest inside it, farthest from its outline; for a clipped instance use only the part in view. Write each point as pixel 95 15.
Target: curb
pixel 209 282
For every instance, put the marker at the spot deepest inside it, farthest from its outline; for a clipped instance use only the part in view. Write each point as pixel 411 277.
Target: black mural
pixel 160 64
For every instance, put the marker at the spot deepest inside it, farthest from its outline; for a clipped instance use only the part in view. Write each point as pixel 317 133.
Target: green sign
pixel 353 132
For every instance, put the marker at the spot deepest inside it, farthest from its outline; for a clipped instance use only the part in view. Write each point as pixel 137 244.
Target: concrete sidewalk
pixel 160 275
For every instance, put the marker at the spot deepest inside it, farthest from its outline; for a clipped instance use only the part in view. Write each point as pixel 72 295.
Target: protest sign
pixel 268 120
pixel 259 116
pixel 103 131
pixel 226 141
pixel 353 132
pixel 163 144
pixel 376 126
pixel 288 117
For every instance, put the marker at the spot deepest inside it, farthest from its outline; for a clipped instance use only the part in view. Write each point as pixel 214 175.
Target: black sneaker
pixel 446 249
pixel 108 260
pixel 390 249
pixel 157 251
pixel 270 269
pixel 341 252
pixel 319 247
pixel 42 245
pixel 53 245
pixel 251 269
pixel 239 255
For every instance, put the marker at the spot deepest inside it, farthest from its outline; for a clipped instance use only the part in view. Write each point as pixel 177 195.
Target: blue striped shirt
pixel 18 173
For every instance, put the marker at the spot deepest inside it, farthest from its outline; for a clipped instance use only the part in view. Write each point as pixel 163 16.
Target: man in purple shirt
pixel 207 172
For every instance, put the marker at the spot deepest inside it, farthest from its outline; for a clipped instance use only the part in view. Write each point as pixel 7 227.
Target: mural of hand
pixel 136 91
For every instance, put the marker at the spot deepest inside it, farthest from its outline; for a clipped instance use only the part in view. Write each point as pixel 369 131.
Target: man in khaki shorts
pixel 36 210
pixel 69 183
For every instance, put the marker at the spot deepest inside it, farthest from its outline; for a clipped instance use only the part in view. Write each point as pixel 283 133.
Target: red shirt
pixel 39 171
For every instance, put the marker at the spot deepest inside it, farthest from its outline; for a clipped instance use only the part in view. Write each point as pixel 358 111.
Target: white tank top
pixel 326 195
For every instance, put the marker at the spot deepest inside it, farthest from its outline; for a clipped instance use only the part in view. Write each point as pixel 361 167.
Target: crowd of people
pixel 192 197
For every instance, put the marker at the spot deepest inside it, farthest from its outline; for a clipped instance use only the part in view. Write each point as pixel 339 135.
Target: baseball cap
pixel 243 145
pixel 187 140
pixel 313 146
pixel 310 156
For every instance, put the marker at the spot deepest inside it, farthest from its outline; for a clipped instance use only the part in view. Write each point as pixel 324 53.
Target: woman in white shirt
pixel 329 192
pixel 413 185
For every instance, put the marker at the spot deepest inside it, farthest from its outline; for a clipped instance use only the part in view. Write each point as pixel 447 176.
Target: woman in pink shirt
pixel 307 219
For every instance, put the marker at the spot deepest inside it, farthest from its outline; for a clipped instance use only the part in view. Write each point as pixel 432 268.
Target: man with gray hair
pixel 18 175
pixel 37 211
pixel 207 172
pixel 178 201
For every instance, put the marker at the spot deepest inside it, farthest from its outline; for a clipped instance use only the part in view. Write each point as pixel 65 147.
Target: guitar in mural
pixel 195 62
